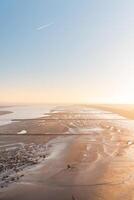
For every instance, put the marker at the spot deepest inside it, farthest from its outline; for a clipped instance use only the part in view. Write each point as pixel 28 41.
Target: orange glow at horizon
pixel 66 96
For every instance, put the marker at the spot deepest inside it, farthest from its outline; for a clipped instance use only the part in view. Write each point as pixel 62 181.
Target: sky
pixel 71 51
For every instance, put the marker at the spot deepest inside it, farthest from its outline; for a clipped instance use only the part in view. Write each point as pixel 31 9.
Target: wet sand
pixel 99 152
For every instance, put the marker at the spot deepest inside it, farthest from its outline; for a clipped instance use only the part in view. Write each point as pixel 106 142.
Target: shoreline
pixel 22 112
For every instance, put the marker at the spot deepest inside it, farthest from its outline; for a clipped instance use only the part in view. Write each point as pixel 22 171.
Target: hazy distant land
pixel 5 112
pixel 125 110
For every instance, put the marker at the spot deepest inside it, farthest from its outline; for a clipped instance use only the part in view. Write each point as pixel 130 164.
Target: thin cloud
pixel 44 26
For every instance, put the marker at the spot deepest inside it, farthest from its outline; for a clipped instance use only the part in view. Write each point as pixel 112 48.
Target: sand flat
pixel 101 163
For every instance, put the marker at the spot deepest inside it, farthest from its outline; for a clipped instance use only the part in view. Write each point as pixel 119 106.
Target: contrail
pixel 44 26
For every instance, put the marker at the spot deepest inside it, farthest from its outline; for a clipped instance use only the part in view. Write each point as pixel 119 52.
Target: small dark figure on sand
pixel 73 198
pixel 68 166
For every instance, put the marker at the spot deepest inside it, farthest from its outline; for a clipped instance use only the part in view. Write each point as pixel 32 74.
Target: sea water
pixel 23 112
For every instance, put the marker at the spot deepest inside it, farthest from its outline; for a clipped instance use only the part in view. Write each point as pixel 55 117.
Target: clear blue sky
pixel 67 51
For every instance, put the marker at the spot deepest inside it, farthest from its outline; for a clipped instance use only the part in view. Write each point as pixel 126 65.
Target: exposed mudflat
pixel 83 154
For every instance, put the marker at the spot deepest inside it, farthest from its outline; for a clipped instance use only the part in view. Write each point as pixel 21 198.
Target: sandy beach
pixel 82 154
